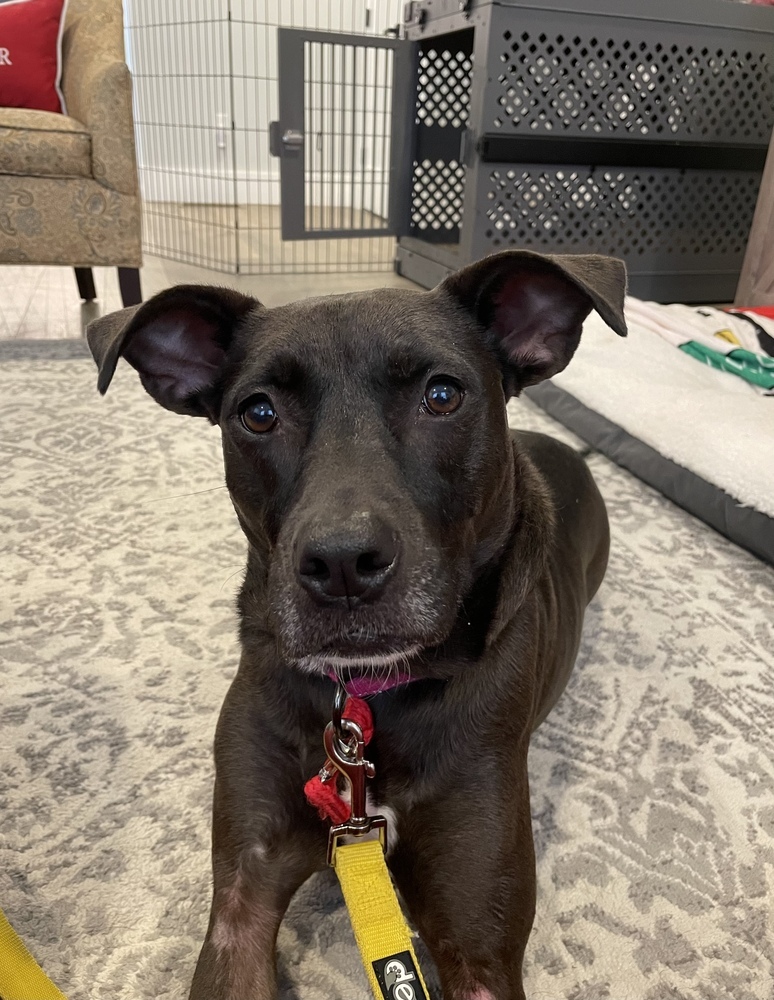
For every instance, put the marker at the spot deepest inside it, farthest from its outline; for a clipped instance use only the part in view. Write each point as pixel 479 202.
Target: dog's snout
pixel 351 563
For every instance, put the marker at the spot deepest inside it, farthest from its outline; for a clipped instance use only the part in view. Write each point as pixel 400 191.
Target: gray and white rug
pixel 652 782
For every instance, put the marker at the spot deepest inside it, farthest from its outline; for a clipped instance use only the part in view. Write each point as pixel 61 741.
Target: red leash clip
pixel 345 740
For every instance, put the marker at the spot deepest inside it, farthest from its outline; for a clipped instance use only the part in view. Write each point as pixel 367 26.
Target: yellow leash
pixel 381 932
pixel 380 929
pixel 21 978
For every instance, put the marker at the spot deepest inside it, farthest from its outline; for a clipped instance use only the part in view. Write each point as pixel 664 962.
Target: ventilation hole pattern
pixel 438 192
pixel 603 86
pixel 632 212
pixel 443 93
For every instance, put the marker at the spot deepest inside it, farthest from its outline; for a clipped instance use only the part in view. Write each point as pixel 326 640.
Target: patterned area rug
pixel 652 781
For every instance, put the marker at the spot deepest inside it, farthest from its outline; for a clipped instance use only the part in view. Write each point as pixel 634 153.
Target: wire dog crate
pixel 205 89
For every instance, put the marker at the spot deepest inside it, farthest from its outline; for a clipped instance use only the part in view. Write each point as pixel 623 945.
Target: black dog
pixel 395 527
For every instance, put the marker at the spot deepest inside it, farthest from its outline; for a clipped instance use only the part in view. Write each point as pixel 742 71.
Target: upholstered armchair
pixel 68 183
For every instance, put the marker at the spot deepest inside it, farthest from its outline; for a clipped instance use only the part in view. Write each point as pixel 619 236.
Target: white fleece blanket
pixel 705 420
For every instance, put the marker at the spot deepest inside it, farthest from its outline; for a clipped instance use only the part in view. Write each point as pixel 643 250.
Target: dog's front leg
pixel 254 881
pixel 266 841
pixel 465 865
pixel 237 960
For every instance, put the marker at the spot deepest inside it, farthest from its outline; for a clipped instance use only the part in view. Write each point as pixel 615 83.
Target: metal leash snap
pixel 339 701
pixel 345 749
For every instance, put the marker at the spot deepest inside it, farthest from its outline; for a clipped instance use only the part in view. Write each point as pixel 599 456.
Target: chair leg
pixel 85 278
pixel 129 283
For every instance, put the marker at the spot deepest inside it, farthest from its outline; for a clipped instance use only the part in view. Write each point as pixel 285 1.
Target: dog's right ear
pixel 177 341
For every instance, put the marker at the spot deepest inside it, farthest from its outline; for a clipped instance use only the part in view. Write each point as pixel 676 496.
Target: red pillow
pixel 31 54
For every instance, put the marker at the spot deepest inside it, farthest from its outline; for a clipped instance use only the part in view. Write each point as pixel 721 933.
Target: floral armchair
pixel 68 183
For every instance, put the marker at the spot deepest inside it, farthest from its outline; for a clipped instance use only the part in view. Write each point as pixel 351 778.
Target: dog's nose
pixel 352 563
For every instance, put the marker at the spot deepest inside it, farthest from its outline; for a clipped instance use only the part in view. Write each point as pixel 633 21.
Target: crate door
pixel 344 133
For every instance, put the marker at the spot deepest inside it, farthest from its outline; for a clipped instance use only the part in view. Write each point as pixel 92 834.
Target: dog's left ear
pixel 177 341
pixel 533 306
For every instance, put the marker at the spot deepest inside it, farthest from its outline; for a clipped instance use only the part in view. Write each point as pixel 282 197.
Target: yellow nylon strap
pixel 21 978
pixel 377 920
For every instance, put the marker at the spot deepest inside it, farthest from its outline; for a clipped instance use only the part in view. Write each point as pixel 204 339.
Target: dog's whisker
pixel 182 496
pixel 231 577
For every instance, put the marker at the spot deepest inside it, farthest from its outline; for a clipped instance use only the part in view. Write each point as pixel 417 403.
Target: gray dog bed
pixel 701 437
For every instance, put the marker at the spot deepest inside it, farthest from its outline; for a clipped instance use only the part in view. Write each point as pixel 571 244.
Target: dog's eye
pixel 258 414
pixel 442 396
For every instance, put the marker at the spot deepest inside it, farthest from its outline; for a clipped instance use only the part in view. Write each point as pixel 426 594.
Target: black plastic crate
pixel 630 129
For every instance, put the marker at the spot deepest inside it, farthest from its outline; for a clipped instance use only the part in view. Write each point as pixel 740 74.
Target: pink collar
pixel 362 687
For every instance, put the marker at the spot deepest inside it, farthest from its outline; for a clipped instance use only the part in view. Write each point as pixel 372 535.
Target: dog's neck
pixel 524 559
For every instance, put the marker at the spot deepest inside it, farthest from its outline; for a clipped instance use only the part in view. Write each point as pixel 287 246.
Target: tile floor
pixel 42 302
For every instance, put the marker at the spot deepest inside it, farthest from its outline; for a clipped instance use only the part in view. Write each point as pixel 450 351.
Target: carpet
pixel 652 781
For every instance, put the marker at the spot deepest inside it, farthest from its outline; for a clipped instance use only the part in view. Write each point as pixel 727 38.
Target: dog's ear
pixel 533 306
pixel 177 341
